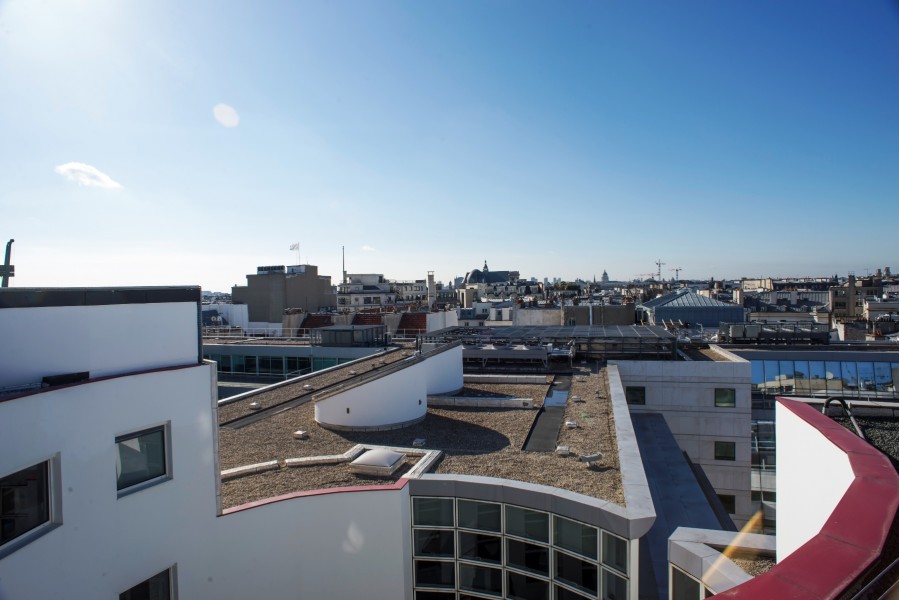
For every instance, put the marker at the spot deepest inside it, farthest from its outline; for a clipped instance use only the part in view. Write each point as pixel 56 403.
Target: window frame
pixel 54 505
pixel 173 582
pixel 166 429
pixel 722 456
pixel 635 389
pixel 721 403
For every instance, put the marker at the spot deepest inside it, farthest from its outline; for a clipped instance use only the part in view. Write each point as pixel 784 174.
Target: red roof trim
pixel 398 485
pixel 854 534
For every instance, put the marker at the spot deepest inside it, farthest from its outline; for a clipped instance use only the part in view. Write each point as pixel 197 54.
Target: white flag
pixel 295 246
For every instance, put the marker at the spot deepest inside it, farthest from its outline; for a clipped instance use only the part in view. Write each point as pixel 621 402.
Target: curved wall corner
pixel 444 372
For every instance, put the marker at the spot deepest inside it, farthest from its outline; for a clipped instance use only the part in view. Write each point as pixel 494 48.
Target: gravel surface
pixel 476 441
pixel 880 432
pixel 754 566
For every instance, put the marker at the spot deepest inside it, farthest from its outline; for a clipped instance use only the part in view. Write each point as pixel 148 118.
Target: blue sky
pixel 558 139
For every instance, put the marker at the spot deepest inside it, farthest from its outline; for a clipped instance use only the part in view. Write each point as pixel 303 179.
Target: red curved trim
pixel 400 484
pixel 854 534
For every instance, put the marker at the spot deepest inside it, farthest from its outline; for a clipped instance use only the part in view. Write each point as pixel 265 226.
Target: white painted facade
pixel 443 372
pixel 103 340
pixel 813 474
pixel 684 393
pixel 237 315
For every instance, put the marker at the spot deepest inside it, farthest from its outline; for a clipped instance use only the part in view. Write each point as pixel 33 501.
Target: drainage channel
pixel 544 434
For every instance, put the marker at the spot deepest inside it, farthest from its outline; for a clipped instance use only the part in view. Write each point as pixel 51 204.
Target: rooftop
pixel 475 440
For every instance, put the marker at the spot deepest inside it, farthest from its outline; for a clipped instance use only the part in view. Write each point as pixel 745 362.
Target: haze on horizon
pixel 157 143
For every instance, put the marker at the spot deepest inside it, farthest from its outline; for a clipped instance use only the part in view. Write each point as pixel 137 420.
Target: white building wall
pixel 395 398
pixel 442 320
pixel 536 316
pixel 812 476
pixel 236 314
pixel 684 393
pixel 107 544
pixel 444 372
pixel 104 340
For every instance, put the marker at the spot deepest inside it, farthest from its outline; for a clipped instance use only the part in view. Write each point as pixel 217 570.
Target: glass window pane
pixel 566 594
pixel 480 579
pixel 834 377
pixel 787 376
pixel 772 377
pixel 24 501
pixel 480 515
pixel 527 557
pixel 758 377
pixel 140 458
pixel 158 587
pixel 522 587
pixel 614 587
pixel 635 395
pixel 480 547
pixel 817 378
pixel 432 512
pixel 433 542
pixel 850 378
pixel 527 523
pixel 576 572
pixel 575 536
pixel 725 397
pixel 429 573
pixel 435 596
pixel 614 551
pixel 866 378
pixel 801 377
pixel 883 378
pixel 683 587
pixel 725 450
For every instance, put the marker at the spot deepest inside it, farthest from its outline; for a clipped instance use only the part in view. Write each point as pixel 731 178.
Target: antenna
pixel 7 270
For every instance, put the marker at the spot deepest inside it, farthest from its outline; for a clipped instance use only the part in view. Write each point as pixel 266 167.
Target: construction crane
pixel 677 271
pixel 659 264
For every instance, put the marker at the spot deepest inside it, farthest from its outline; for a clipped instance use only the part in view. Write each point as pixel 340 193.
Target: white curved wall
pixel 813 474
pixel 395 398
pixel 444 372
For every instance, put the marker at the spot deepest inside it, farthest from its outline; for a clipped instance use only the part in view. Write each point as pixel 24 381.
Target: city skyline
pixel 161 143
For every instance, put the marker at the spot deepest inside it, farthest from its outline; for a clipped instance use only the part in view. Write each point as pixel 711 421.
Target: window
pixel 635 395
pixel 28 506
pixel 729 502
pixel 725 397
pixel 142 459
pixel 158 587
pixel 725 450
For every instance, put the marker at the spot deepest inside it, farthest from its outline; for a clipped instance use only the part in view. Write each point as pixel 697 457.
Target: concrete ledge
pixel 531 379
pixel 695 551
pixel 236 472
pixel 385 427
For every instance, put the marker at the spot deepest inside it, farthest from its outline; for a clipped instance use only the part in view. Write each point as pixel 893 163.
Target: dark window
pixel 435 574
pixel 434 512
pixel 479 515
pixel 614 551
pixel 434 542
pixel 526 523
pixel 24 501
pixel 576 537
pixel 476 546
pixel 729 502
pixel 576 572
pixel 522 587
pixel 435 596
pixel 480 579
pixel 635 395
pixel 725 397
pixel 140 457
pixel 725 450
pixel 158 587
pixel 684 587
pixel 527 557
pixel 566 594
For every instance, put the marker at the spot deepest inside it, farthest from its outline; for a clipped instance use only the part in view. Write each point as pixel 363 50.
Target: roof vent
pixel 301 434
pixel 571 424
pixel 418 443
pixel 379 462
pixel 308 386
pixel 255 405
pixel 563 450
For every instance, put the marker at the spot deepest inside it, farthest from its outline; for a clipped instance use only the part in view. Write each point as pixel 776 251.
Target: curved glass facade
pixel 473 549
pixel 822 378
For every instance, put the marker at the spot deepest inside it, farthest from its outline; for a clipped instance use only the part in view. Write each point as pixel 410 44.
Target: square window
pixel 725 397
pixel 526 523
pixel 142 459
pixel 522 587
pixel 576 572
pixel 729 502
pixel 575 536
pixel 684 587
pixel 635 395
pixel 26 506
pixel 480 547
pixel 432 512
pixel 434 542
pixel 725 451
pixel 614 587
pixel 614 551
pixel 435 574
pixel 158 587
pixel 479 515
pixel 480 579
pixel 527 557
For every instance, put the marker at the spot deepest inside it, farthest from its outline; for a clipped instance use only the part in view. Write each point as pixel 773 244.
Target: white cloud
pixel 226 115
pixel 87 175
pixel 368 249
